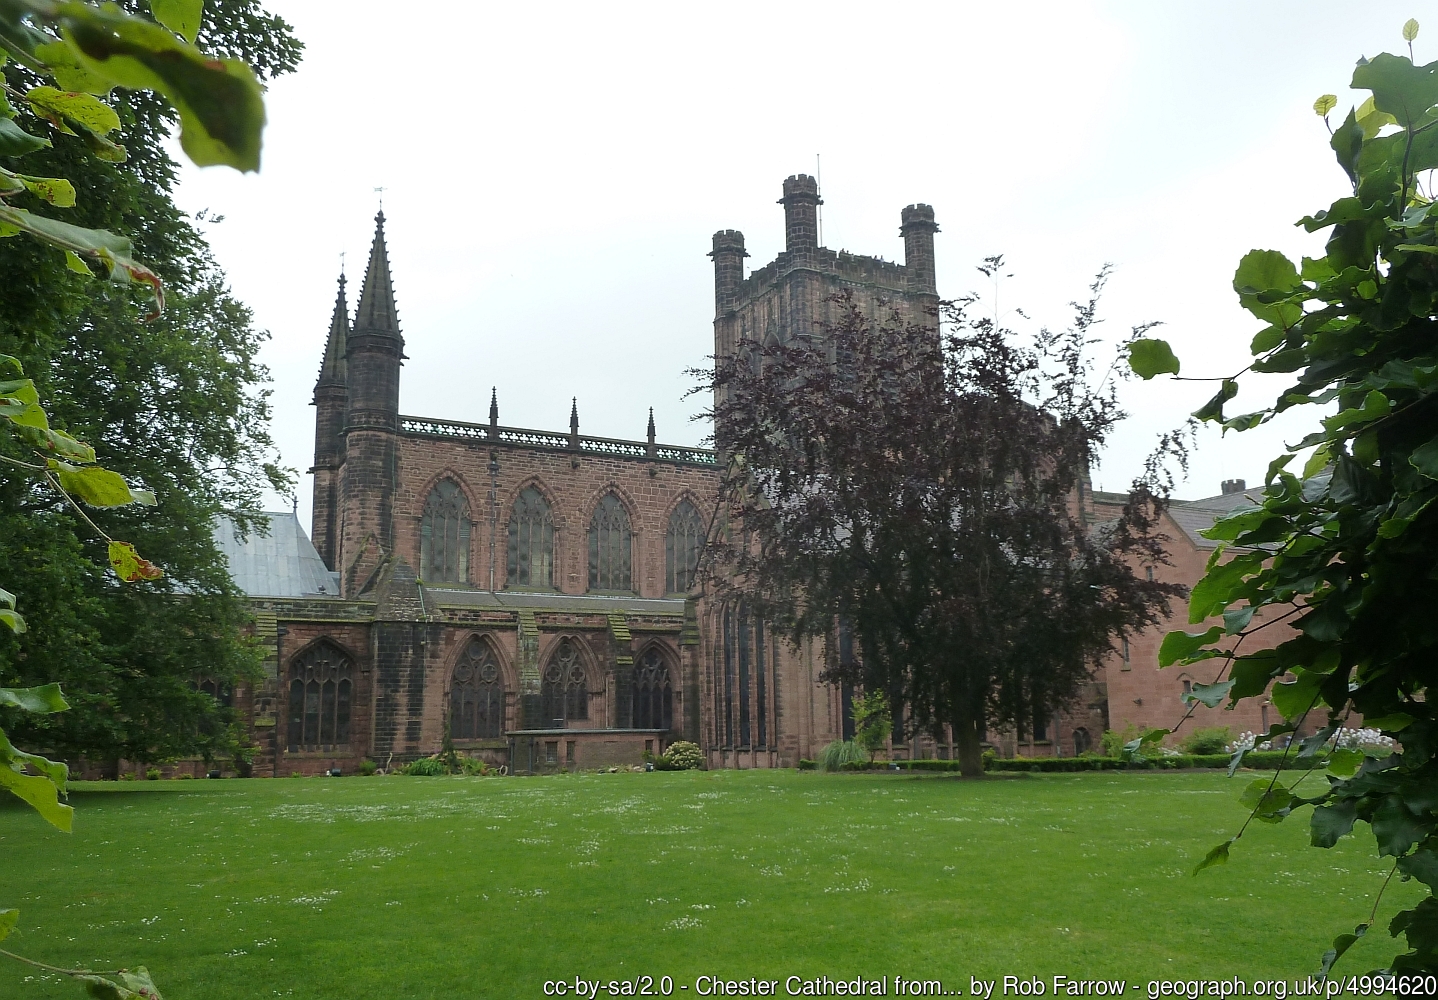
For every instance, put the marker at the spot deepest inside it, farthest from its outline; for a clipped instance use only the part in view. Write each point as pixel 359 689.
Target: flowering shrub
pixel 681 755
pixel 1370 741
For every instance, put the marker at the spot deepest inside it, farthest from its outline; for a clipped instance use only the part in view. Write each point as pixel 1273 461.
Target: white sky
pixel 553 174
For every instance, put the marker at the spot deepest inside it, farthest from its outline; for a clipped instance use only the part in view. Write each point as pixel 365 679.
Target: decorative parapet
pixel 526 438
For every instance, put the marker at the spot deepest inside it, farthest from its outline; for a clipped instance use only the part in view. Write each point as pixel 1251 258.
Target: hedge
pixel 1259 760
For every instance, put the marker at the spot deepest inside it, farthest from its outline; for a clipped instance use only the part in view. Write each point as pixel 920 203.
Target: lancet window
pixel 653 706
pixel 682 544
pixel 531 541
pixel 748 663
pixel 563 689
pixel 476 694
pixel 321 696
pixel 444 535
pixel 610 546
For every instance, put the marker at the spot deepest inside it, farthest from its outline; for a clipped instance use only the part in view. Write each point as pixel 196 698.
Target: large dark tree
pixel 926 492
pixel 178 405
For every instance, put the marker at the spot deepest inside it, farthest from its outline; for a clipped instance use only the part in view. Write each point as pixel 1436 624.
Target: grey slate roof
pixel 282 563
pixel 1195 516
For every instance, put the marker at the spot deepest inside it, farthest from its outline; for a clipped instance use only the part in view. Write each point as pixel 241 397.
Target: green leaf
pixel 1217 856
pixel 1181 645
pixel 1410 29
pixel 1325 104
pixel 1213 409
pixel 52 442
pixel 1235 620
pixel 1330 823
pixel 1401 89
pixel 1262 276
pixel 11 619
pixel 64 65
pixel 1208 694
pixel 1341 944
pixel 1344 763
pixel 1294 698
pixel 180 16
pixel 1425 459
pixel 65 109
pixel 15 141
pixel 77 264
pixel 1422 864
pixel 1221 585
pixel 55 191
pixel 1149 357
pixel 1269 800
pixel 41 794
pixel 8 919
pixel 42 700
pixel 1396 828
pixel 130 566
pixel 221 111
pixel 111 250
pixel 1395 723
pixel 98 487
pixel 136 985
pixel 23 403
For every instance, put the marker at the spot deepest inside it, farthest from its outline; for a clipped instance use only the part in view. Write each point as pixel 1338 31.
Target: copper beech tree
pixel 926 492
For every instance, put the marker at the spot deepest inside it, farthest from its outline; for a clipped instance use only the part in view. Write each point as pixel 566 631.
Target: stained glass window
pixel 563 691
pixel 610 545
pixel 444 535
pixel 321 696
pixel 682 544
pixel 476 694
pixel 653 706
pixel 531 541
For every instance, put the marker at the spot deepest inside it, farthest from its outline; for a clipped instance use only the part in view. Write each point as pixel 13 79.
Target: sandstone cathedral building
pixel 535 593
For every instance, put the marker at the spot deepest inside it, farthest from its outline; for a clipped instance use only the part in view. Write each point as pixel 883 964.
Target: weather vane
pixel 380 192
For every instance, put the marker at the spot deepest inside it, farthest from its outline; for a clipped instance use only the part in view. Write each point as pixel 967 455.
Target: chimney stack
pixel 1233 486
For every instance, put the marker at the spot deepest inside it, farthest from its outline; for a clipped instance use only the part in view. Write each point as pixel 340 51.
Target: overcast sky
pixel 553 174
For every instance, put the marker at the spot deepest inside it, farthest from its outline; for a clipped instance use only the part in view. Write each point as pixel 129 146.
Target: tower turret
pixel 728 255
pixel 375 350
pixel 801 203
pixel 331 393
pixel 917 227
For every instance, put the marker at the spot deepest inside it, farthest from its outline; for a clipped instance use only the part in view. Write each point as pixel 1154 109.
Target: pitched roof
pixel 281 563
pixel 1195 516
pixel 376 312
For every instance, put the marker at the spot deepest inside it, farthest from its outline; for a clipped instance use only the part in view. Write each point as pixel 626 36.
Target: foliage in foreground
pixel 920 491
pixel 88 52
pixel 1344 549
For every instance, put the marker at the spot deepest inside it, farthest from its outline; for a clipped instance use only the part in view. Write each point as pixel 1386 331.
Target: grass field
pixel 473 887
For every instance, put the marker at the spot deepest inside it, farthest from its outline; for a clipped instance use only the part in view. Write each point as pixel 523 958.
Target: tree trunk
pixel 968 735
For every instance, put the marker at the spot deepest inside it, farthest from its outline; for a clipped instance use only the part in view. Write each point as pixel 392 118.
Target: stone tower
pixel 331 390
pixel 790 296
pixel 373 355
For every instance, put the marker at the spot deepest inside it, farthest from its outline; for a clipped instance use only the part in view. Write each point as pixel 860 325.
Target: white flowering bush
pixel 682 755
pixel 1370 741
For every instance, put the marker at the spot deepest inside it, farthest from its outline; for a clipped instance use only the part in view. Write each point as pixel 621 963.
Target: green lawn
pixel 473 887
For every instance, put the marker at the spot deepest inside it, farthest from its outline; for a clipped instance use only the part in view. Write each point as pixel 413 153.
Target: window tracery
pixel 563 690
pixel 476 694
pixel 531 541
pixel 610 546
pixel 444 535
pixel 683 542
pixel 653 702
pixel 320 699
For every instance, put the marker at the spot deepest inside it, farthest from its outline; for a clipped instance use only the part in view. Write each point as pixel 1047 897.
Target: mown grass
pixel 471 887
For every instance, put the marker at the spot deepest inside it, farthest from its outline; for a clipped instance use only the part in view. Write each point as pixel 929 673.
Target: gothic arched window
pixel 444 535
pixel 321 693
pixel 653 706
pixel 682 544
pixel 563 692
pixel 476 694
pixel 610 542
pixel 531 541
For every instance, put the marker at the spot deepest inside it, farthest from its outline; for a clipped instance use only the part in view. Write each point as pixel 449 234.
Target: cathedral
pixel 533 593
